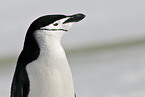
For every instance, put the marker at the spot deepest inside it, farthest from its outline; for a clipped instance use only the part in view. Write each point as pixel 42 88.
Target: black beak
pixel 74 18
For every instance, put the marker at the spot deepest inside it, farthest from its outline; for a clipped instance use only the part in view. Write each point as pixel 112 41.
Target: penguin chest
pixel 50 78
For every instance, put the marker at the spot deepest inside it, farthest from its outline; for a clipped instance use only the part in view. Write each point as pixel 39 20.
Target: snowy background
pixel 106 50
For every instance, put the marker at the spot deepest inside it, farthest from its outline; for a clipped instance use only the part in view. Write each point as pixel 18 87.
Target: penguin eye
pixel 55 24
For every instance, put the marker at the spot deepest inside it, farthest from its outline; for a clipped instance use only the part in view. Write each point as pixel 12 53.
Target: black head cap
pixel 44 21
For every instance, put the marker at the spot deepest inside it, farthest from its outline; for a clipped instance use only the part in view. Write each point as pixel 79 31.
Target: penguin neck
pixel 50 43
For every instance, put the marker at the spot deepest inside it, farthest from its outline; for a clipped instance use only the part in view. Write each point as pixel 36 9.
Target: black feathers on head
pixel 44 21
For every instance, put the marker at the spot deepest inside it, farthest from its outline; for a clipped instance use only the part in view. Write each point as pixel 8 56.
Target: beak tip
pixel 80 16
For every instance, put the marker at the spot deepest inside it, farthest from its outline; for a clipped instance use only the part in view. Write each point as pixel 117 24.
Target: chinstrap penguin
pixel 42 68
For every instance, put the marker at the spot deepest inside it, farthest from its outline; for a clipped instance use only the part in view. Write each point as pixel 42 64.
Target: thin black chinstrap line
pixel 54 29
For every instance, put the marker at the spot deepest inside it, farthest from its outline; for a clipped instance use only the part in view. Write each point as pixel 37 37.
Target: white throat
pixel 50 75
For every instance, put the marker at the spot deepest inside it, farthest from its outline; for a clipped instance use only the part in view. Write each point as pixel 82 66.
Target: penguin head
pixel 55 26
pixel 54 23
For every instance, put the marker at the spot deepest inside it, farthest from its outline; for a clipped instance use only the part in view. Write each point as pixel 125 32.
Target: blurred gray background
pixel 106 50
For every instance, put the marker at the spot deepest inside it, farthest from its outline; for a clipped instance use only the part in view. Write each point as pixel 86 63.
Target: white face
pixel 58 26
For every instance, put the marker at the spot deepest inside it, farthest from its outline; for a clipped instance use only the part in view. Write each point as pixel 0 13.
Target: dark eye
pixel 55 24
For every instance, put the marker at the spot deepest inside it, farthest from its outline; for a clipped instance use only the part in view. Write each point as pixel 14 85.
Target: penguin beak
pixel 74 18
